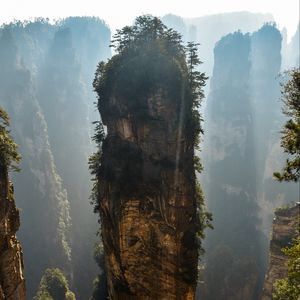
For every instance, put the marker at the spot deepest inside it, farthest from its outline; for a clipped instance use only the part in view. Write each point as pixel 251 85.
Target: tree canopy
pixel 9 156
pixel 290 140
pixel 54 286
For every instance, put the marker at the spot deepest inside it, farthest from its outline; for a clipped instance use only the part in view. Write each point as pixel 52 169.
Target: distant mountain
pixel 243 119
pixel 46 77
pixel 207 30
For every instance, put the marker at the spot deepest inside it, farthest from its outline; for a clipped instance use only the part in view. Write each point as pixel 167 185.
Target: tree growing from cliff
pixel 197 81
pixel 9 156
pixel 290 140
pixel 54 286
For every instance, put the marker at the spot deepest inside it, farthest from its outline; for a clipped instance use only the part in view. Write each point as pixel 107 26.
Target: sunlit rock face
pixel 285 229
pixel 147 194
pixel 12 282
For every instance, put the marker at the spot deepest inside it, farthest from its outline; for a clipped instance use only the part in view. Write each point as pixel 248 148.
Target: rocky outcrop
pixel 12 282
pixel 285 229
pixel 147 209
pixel 146 181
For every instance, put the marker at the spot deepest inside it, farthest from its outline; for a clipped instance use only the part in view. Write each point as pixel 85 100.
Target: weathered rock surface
pixel 12 282
pixel 147 208
pixel 285 228
pixel 147 198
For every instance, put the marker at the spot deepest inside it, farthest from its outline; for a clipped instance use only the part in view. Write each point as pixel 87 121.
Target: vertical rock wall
pixel 12 282
pixel 147 209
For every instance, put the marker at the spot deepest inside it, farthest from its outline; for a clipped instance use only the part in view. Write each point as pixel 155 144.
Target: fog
pixel 46 74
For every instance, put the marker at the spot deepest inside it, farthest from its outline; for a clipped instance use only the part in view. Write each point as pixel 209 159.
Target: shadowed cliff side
pixel 151 210
pixel 12 282
pixel 234 253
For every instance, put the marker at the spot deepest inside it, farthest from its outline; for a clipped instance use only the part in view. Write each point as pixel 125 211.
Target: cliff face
pixel 242 123
pixel 147 212
pixel 44 206
pixel 12 282
pixel 285 229
pixel 45 79
pixel 146 180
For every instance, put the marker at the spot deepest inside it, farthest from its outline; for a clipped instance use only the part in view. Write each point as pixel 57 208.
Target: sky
pixel 118 13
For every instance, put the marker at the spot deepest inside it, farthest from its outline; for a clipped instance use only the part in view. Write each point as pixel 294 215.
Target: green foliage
pixel 147 29
pixel 197 82
pixel 94 162
pixel 289 287
pixel 9 156
pixel 146 50
pixel 290 140
pixel 54 286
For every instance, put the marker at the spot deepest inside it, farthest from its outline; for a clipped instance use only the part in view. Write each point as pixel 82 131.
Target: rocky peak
pixel 147 194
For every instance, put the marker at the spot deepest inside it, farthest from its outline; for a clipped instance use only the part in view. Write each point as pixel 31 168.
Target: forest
pixel 157 161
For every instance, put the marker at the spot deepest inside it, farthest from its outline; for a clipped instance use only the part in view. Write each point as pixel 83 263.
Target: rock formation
pixel 12 282
pixel 46 75
pixel 285 229
pixel 147 192
pixel 45 207
pixel 242 125
pixel 233 261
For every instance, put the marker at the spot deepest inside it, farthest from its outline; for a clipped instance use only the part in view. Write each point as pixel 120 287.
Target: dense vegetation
pixel 9 156
pixel 54 286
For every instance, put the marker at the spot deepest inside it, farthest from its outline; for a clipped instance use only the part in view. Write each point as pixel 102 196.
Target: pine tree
pixel 290 140
pixel 9 156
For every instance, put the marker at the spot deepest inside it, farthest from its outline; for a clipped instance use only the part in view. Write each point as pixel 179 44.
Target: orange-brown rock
pixel 147 206
pixel 12 282
pixel 151 210
pixel 285 229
